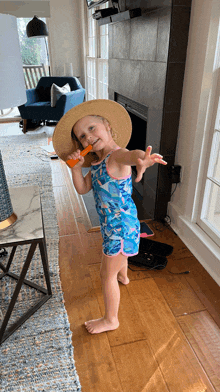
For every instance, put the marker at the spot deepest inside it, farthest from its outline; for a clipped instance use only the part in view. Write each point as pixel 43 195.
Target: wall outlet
pixel 175 171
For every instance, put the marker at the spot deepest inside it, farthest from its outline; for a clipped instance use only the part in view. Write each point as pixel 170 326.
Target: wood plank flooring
pixel 169 333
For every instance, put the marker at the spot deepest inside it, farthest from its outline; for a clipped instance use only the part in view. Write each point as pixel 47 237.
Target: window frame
pixel 98 61
pixel 213 118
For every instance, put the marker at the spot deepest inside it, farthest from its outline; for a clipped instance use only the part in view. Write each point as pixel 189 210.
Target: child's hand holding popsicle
pixel 78 156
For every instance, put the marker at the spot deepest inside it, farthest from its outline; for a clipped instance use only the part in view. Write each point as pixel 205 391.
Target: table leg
pixel 17 289
pixel 10 258
pixel 43 252
pixel 6 268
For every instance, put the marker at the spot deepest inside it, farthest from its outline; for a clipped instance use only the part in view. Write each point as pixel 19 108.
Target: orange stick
pixel 73 162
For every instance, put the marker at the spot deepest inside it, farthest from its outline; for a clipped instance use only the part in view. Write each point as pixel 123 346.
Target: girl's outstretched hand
pixel 147 161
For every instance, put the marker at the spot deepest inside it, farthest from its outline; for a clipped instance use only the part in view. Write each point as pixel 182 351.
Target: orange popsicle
pixel 73 162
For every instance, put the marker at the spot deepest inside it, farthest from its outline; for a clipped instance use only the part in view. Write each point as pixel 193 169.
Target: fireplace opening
pixel 138 115
pixel 138 137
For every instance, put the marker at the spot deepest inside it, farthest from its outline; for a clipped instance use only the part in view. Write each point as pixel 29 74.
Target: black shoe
pixel 3 252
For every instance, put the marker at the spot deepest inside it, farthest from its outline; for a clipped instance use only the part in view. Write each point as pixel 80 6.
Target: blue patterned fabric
pixel 117 212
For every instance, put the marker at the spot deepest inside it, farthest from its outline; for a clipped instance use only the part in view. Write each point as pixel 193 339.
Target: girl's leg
pixel 110 268
pixel 123 274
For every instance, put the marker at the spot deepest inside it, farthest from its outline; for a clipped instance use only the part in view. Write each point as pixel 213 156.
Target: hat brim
pixel 116 114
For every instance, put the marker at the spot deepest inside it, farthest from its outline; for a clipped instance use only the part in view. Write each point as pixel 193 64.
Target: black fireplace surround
pixel 138 115
pixel 147 58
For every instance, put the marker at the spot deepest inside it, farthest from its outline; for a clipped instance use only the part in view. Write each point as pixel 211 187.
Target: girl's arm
pixel 126 157
pixel 141 159
pixel 82 184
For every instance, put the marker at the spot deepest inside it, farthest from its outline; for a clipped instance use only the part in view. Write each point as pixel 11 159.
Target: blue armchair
pixel 38 105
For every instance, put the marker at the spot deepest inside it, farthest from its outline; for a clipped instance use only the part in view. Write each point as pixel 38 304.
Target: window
pixel 96 57
pixel 33 50
pixel 34 53
pixel 209 215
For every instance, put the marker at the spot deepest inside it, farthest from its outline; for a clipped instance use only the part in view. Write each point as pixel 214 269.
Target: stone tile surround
pixel 146 64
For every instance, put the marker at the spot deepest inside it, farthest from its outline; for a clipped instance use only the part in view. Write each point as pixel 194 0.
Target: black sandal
pixel 3 252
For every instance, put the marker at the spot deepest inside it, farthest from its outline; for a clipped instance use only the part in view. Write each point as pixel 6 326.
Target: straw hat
pixel 112 111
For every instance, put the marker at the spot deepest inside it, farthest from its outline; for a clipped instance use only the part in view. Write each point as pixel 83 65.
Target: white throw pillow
pixel 57 91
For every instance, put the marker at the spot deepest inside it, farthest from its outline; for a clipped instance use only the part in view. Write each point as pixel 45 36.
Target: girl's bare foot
pixel 123 280
pixel 101 325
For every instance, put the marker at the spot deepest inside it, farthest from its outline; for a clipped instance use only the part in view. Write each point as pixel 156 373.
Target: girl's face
pixel 93 130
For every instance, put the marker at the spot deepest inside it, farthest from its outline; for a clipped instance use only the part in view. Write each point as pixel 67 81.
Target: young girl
pixel 106 126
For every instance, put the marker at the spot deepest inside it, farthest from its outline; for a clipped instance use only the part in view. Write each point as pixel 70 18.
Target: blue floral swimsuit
pixel 117 212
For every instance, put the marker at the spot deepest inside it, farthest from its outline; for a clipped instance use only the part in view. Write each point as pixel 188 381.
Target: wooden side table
pixel 28 229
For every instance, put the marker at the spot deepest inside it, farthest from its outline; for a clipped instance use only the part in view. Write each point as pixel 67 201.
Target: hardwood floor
pixel 169 334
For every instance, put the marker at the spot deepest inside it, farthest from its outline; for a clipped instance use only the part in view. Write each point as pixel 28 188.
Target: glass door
pixel 35 58
pixel 34 53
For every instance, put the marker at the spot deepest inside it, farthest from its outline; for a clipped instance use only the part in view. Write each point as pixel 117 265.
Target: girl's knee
pixel 111 266
pixel 106 273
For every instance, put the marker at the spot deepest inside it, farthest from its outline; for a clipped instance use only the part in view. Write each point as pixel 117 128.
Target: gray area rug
pixel 39 355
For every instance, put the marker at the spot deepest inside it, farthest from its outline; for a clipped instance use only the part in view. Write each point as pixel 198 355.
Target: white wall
pixel 25 9
pixel 65 30
pixel 193 130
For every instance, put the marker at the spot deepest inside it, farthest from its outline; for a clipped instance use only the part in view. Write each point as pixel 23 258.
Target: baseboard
pixel 94 229
pixel 197 241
